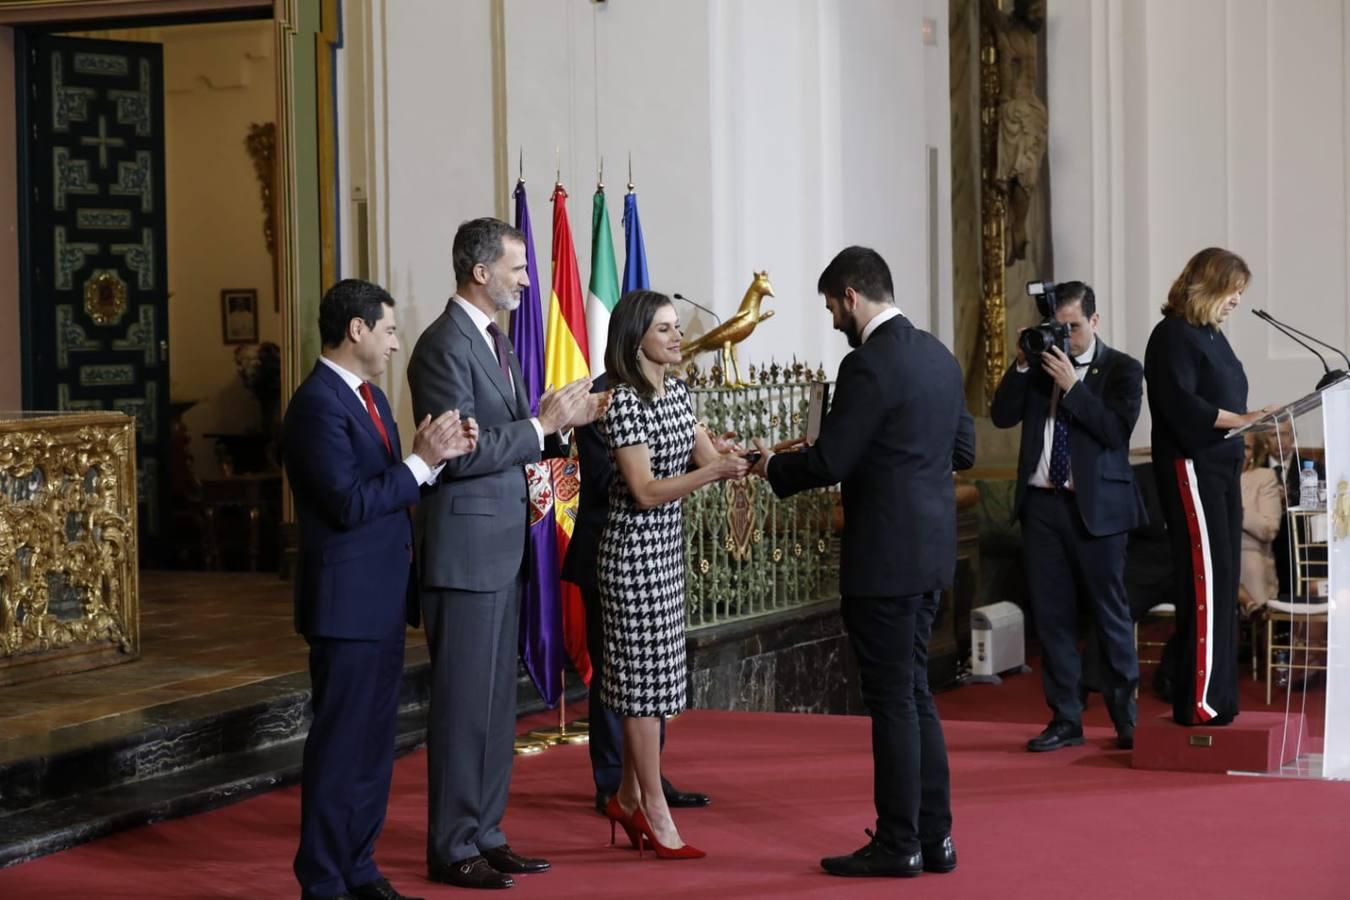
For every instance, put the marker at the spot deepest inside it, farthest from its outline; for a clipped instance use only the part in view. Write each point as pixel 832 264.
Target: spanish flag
pixel 565 355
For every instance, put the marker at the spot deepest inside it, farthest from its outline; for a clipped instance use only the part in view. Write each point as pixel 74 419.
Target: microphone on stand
pixel 1337 350
pixel 698 306
pixel 1330 376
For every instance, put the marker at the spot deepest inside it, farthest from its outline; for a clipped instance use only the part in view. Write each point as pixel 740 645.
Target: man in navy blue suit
pixel 353 589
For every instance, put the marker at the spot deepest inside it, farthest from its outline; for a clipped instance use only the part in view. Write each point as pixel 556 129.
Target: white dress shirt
pixel 1041 477
pixel 481 321
pixel 423 473
pixel 878 320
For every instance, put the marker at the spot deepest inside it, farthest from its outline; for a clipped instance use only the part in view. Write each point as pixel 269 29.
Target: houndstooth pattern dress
pixel 641 564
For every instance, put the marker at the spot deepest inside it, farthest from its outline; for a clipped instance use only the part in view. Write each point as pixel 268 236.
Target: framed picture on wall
pixel 239 316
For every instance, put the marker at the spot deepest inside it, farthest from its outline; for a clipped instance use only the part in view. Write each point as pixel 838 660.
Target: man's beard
pixel 852 331
pixel 505 300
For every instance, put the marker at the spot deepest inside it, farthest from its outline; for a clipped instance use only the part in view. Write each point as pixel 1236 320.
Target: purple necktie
pixel 503 350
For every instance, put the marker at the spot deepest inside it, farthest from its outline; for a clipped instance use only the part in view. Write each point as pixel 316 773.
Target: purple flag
pixel 541 638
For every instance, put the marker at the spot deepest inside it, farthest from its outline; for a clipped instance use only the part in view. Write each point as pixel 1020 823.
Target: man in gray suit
pixel 473 553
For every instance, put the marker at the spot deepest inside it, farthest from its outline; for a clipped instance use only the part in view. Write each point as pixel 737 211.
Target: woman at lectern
pixel 1197 392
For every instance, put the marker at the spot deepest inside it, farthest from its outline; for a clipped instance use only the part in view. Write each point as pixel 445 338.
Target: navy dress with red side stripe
pixel 1192 373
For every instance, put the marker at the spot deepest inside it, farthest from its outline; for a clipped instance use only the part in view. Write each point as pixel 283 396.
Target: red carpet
pixel 788 789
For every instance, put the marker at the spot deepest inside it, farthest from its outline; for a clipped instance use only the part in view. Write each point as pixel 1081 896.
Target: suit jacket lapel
pixel 387 417
pixel 1097 368
pixel 484 356
pixel 347 397
pixel 518 380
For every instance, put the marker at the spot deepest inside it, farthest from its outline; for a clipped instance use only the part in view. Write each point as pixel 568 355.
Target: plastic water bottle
pixel 1307 485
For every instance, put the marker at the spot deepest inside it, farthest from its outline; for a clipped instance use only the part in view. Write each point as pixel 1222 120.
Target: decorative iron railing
pixel 747 552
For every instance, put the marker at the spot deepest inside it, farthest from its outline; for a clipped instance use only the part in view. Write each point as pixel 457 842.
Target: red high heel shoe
pixel 618 817
pixel 644 829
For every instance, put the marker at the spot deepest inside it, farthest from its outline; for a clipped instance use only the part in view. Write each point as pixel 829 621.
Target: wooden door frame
pixel 285 18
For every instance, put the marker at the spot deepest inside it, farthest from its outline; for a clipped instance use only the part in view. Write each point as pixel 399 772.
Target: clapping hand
pixel 444 437
pixel 570 406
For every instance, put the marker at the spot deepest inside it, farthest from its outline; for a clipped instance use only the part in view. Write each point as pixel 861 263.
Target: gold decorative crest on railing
pixel 68 583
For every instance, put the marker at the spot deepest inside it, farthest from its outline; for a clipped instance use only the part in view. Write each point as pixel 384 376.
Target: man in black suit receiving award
pixel 1077 501
pixel 897 428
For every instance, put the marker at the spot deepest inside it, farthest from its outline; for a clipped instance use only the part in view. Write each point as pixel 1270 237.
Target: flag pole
pixel 576 733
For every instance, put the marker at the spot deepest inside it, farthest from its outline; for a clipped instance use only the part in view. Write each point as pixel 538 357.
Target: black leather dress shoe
pixel 684 799
pixel 504 859
pixel 875 861
pixel 601 801
pixel 474 872
pixel 939 856
pixel 1125 737
pixel 379 889
pixel 1056 735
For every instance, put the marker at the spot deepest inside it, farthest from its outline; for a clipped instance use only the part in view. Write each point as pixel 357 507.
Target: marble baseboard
pixel 796 660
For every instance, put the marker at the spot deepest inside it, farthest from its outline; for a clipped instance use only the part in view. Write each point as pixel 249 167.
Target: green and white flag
pixel 604 288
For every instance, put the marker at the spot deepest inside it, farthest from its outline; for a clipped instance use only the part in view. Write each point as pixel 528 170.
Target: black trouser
pixel 911 785
pixel 606 726
pixel 1061 558
pixel 1203 507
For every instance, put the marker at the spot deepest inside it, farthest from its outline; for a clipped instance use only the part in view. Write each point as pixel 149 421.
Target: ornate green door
pixel 94 277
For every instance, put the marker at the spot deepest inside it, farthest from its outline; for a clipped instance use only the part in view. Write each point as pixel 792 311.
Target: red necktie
pixel 367 396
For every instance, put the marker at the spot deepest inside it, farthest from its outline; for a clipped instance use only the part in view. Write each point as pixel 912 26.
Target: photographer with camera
pixel 1077 400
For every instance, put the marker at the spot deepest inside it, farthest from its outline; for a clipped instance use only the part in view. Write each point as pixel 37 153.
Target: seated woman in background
pixel 1262 511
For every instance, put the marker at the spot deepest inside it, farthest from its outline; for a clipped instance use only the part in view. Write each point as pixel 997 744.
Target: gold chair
pixel 1309 548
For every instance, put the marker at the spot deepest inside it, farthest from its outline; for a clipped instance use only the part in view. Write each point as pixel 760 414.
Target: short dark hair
pixel 629 321
pixel 1073 291
pixel 480 242
pixel 349 299
pixel 860 268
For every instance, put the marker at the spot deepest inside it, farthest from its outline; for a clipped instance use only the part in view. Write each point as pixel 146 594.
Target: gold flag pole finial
pixel 521 179
pixel 558 174
pixel 630 171
pixel 600 176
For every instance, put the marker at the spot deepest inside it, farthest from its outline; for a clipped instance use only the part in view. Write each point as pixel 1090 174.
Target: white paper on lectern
pixel 1336 428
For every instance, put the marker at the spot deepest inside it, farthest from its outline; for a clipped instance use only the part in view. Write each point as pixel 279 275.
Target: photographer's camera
pixel 1049 333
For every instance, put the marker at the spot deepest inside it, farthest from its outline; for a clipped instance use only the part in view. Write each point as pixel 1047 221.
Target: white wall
pixel 765 134
pixel 1175 126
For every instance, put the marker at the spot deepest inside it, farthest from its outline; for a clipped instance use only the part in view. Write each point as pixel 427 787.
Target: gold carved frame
pixel 993 221
pixel 69 596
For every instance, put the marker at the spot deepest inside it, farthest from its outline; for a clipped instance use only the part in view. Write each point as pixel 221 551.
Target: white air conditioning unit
pixel 997 643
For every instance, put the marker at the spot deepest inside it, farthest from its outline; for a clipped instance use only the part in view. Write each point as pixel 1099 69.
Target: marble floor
pixel 201 632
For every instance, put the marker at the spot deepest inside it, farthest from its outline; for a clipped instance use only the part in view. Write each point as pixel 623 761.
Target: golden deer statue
pixel 735 329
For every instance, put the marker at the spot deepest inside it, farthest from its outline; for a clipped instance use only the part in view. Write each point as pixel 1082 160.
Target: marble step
pixel 177 759
pixel 162 739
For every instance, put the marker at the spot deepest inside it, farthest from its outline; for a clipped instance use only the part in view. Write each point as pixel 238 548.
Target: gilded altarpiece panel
pixel 68 583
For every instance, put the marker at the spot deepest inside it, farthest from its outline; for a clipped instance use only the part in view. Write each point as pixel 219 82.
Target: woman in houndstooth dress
pixel 659 455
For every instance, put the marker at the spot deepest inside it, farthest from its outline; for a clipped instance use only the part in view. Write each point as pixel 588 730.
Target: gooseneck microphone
pixel 1274 321
pixel 1330 376
pixel 698 306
